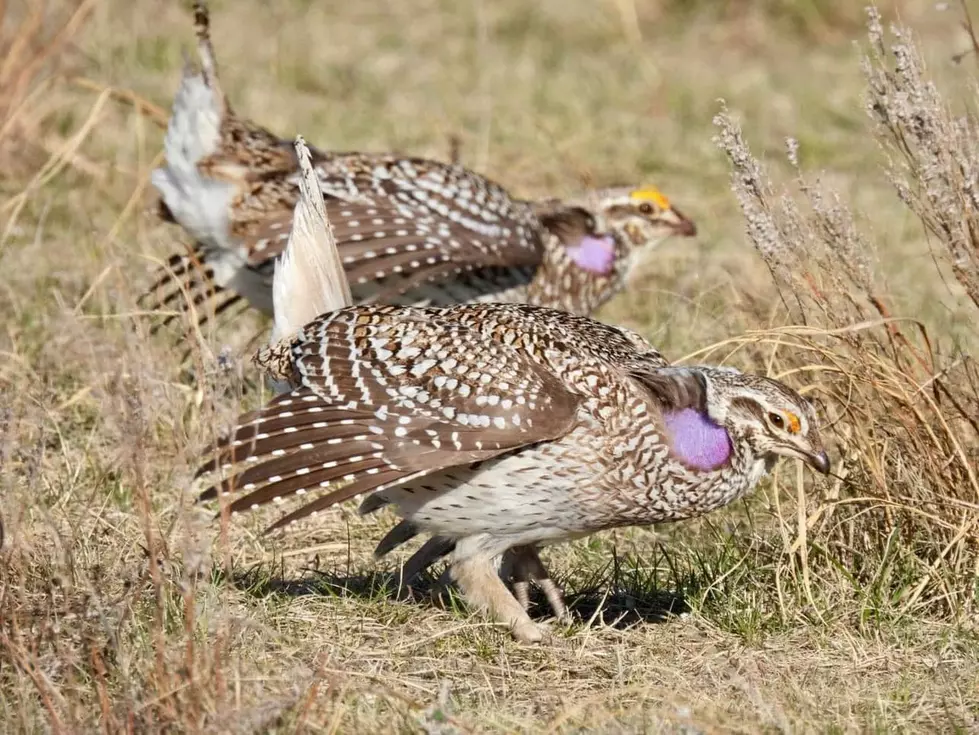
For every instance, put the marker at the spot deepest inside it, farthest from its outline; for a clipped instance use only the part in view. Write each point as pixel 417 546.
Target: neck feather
pixel 696 441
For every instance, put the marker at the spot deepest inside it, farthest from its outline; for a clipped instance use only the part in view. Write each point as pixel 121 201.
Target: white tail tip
pixel 309 278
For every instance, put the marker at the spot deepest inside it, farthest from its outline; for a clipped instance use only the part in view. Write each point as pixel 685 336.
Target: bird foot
pixel 529 633
pixel 523 565
pixel 484 590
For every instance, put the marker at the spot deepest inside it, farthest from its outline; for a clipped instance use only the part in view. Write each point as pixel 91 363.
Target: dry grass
pixel 844 606
pixel 34 41
pixel 36 51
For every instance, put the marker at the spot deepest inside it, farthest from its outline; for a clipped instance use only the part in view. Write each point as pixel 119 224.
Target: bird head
pixel 644 216
pixel 770 417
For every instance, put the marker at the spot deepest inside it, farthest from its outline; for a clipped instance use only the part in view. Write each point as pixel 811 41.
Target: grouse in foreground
pixel 497 426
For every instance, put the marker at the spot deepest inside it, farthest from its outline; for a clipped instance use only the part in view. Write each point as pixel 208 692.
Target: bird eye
pixel 646 208
pixel 776 420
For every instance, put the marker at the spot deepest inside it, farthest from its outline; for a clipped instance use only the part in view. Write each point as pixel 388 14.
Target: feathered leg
pixel 483 589
pixel 526 567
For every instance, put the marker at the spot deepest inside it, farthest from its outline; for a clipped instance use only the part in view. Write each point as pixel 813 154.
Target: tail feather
pixel 309 278
pixel 209 64
pixel 282 417
pixel 171 274
pixel 435 548
pixel 361 484
pixel 402 532
pixel 353 448
pixel 372 503
pixel 182 272
pixel 221 301
pixel 183 285
pixel 229 299
pixel 194 133
pixel 344 475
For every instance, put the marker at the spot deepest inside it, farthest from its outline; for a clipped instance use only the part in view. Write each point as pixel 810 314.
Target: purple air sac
pixel 594 254
pixel 696 440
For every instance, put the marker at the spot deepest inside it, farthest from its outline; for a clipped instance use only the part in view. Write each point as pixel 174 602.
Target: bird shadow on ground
pixel 615 599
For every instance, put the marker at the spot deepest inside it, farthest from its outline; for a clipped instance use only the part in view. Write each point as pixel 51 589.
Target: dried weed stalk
pixel 933 155
pixel 31 55
pixel 905 414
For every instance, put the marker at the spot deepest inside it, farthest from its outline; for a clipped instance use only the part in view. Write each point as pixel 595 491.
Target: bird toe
pixel 528 633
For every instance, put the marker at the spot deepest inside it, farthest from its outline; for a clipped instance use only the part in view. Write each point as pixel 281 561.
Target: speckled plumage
pixel 409 230
pixel 498 427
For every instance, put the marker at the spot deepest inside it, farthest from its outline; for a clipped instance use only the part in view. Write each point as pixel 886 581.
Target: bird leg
pixel 520 564
pixel 525 566
pixel 511 568
pixel 482 587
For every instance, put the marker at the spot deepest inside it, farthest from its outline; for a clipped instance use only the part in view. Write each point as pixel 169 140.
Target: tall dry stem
pixel 933 154
pixel 904 411
pixel 31 56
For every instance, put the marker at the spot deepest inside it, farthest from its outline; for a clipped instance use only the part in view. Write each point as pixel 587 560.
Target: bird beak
pixel 819 461
pixel 679 223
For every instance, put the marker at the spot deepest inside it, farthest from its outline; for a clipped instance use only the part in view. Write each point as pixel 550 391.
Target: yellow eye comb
pixel 794 424
pixel 653 195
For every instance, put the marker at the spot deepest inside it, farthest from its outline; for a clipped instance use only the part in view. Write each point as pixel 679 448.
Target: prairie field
pixel 831 168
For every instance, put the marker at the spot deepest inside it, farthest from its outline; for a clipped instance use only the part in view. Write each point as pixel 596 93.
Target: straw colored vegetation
pixel 844 261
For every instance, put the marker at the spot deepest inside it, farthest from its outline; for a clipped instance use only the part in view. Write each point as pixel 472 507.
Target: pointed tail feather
pixel 403 532
pixel 309 277
pixel 434 549
pixel 209 64
pixel 194 133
